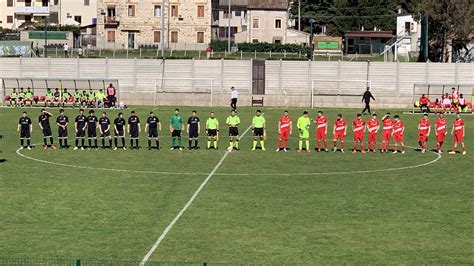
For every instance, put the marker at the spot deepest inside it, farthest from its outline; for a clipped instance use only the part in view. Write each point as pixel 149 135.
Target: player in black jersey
pixel 25 127
pixel 119 131
pixel 43 122
pixel 193 129
pixel 104 128
pixel 62 121
pixel 92 129
pixel 152 126
pixel 80 125
pixel 134 130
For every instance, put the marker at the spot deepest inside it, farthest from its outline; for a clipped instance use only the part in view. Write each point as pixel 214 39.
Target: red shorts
pixel 440 137
pixel 372 137
pixel 386 135
pixel 458 138
pixel 339 136
pixel 321 134
pixel 359 137
pixel 422 137
pixel 284 134
pixel 398 138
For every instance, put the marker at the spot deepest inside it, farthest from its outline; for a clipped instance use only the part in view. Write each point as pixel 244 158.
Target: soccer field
pixel 249 207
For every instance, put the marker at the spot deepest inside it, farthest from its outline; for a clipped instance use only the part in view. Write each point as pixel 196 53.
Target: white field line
pixel 188 204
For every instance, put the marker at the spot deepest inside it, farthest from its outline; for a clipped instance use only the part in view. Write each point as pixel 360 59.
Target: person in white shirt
pixel 233 98
pixel 66 50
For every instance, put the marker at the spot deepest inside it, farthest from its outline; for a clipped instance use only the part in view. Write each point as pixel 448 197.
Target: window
pixel 200 11
pixel 277 23
pixel 174 11
pixel 174 36
pixel 27 2
pixel 110 36
pixel 255 40
pixel 255 23
pixel 200 37
pixel 238 13
pixel 131 10
pixel 78 19
pixel 226 14
pixel 86 2
pixel 45 3
pixel 157 11
pixel 9 19
pixel 157 36
pixel 9 2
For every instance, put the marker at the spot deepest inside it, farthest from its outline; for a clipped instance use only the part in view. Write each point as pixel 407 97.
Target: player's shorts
pixel 258 132
pixel 321 134
pixel 212 132
pixel 193 134
pixel 359 137
pixel 386 135
pixel 153 133
pixel 176 134
pixel 134 134
pixel 25 134
pixel 62 133
pixel 422 137
pixel 284 134
pixel 458 138
pixel 47 132
pixel 372 137
pixel 339 136
pixel 80 134
pixel 105 134
pixel 440 137
pixel 92 133
pixel 233 131
pixel 304 134
pixel 119 133
pixel 398 138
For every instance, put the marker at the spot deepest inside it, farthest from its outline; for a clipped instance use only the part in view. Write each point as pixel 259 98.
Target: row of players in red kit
pixel 391 129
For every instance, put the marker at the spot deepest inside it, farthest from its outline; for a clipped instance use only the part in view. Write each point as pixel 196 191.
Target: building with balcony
pixel 128 24
pixel 221 18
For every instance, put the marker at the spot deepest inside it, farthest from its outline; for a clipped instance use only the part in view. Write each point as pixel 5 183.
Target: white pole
pixel 228 29
pixel 162 35
pixel 212 93
pixel 312 94
pixel 299 15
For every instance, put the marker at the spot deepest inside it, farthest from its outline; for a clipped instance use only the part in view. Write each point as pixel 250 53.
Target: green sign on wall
pixel 52 35
pixel 328 45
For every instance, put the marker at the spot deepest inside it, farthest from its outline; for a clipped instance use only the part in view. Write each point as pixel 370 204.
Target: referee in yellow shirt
pixel 258 129
pixel 212 130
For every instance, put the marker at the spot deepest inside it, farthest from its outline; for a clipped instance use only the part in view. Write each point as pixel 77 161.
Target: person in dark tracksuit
pixel 366 99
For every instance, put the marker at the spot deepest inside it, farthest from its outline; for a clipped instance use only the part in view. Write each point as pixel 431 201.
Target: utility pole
pixel 299 15
pixel 228 30
pixel 46 36
pixel 162 35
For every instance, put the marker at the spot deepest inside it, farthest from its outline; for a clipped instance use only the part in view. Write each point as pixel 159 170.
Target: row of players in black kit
pixel 90 124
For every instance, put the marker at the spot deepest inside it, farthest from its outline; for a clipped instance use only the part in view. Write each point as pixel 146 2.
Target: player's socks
pixel 179 141
pixel 157 144
pixel 103 143
pixel 173 142
pixel 254 145
pixel 236 145
pixel 115 142
pixel 190 144
pixel 77 142
pixel 149 143
pixel 325 144
pixel 208 144
pixel 95 143
pixel 279 143
pixel 90 142
pixel 342 144
pixel 83 142
pixel 438 146
pixel 196 143
pixel 307 145
pixel 45 141
pixel 28 143
pixel 22 142
pixel 300 145
pixel 60 143
pixel 215 144
pixel 285 144
pixel 51 140
pixel 110 143
pixel 123 142
pixel 335 144
pixel 137 143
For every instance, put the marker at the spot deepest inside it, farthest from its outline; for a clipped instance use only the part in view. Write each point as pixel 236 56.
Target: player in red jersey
pixel 322 130
pixel 373 126
pixel 387 128
pixel 339 131
pixel 441 129
pixel 285 130
pixel 424 129
pixel 398 131
pixel 358 127
pixel 459 132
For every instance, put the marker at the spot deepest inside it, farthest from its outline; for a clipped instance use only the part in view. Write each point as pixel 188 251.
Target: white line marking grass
pixel 188 204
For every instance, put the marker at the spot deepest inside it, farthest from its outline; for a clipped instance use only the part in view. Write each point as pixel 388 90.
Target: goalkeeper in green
pixel 303 126
pixel 212 130
pixel 233 121
pixel 259 131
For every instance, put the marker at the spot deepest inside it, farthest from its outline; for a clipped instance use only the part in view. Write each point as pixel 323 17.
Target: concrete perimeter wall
pixel 288 83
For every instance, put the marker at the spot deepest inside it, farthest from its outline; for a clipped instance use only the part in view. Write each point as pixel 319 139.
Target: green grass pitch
pixel 258 207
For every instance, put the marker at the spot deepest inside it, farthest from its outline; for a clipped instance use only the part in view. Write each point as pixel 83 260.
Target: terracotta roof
pixel 269 4
pixel 373 34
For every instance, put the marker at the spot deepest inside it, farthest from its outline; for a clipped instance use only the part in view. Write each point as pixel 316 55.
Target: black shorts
pixel 212 132
pixel 153 133
pixel 233 131
pixel 25 134
pixel 80 134
pixel 258 132
pixel 119 133
pixel 47 132
pixel 193 134
pixel 176 133
pixel 92 133
pixel 62 132
pixel 134 134
pixel 105 134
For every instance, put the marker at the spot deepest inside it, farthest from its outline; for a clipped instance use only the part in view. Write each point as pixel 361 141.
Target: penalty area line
pixel 188 204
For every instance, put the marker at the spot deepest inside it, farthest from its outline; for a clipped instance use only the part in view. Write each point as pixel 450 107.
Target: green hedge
pixel 261 47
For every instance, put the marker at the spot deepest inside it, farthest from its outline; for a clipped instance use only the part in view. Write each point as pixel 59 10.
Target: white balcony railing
pixel 27 10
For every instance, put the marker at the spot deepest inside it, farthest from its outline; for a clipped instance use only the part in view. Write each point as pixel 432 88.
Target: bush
pixel 218 45
pixel 274 47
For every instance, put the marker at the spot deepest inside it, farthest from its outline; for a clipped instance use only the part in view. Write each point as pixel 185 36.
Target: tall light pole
pixel 228 29
pixel 311 44
pixel 299 15
pixel 162 35
pixel 46 36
